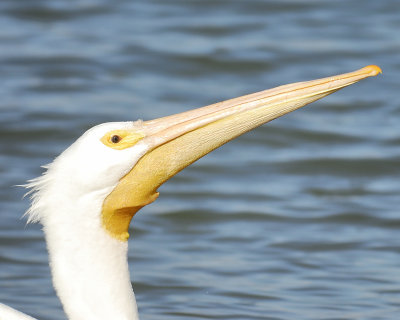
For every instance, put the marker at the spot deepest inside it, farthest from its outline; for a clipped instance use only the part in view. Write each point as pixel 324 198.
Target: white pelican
pixel 88 195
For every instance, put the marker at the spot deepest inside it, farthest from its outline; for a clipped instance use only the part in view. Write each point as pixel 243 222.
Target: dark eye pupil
pixel 115 139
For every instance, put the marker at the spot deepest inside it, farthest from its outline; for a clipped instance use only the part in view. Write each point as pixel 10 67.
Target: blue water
pixel 298 219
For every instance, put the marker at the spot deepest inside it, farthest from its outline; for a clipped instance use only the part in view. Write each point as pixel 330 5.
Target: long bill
pixel 176 141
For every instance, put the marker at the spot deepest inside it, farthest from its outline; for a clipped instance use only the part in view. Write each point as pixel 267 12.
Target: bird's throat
pixel 116 222
pixel 123 202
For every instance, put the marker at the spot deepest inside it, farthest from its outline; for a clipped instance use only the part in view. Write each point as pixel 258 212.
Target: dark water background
pixel 298 219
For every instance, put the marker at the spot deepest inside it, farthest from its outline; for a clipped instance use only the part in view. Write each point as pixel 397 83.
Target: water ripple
pixel 296 220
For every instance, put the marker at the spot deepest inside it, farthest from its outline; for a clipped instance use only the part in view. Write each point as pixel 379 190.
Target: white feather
pixel 8 313
pixel 89 267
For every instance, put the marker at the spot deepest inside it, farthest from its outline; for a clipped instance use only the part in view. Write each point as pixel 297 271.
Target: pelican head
pixel 89 194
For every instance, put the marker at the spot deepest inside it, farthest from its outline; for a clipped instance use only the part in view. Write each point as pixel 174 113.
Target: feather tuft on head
pixel 36 194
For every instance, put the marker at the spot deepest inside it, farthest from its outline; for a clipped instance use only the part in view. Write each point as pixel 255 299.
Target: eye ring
pixel 115 138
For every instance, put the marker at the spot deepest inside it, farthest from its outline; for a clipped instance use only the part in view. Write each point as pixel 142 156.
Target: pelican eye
pixel 115 138
pixel 121 139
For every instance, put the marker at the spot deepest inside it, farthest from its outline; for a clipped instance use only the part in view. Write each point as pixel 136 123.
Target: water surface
pixel 298 219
